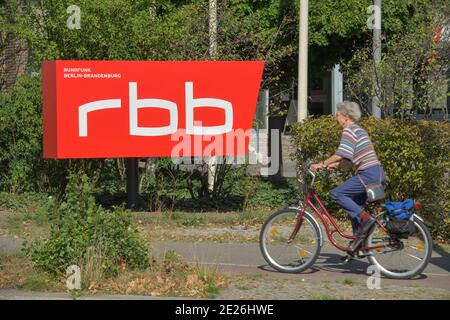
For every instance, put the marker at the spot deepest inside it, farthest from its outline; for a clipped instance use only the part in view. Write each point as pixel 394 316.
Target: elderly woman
pixel 356 148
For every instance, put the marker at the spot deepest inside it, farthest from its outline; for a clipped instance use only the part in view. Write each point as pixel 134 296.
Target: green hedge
pixel 414 155
pixel 22 167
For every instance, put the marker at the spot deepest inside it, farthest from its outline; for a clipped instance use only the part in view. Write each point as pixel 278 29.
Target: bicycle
pixel 291 239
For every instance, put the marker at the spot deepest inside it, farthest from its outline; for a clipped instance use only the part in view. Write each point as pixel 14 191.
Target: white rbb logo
pixel 136 104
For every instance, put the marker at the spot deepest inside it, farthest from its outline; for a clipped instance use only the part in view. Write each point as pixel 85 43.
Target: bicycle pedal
pixel 347 259
pixel 361 254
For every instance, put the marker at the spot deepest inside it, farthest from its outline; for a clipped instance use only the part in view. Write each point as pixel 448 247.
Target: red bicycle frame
pixel 323 214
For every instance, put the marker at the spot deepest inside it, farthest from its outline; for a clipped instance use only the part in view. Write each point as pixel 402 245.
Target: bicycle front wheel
pixel 290 256
pixel 400 258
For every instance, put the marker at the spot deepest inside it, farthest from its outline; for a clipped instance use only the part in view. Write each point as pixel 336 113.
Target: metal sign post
pixel 132 183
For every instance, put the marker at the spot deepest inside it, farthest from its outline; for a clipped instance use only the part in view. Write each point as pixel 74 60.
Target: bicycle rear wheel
pixel 294 256
pixel 402 258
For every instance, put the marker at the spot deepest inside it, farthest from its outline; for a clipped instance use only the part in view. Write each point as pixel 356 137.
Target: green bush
pixel 22 167
pixel 168 188
pixel 414 155
pixel 274 194
pixel 78 224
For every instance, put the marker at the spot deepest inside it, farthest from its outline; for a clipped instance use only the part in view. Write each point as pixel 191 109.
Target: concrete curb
pixel 13 294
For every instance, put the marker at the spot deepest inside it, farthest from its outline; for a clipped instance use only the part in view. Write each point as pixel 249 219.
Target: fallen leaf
pixel 220 281
pixel 122 264
pixel 93 288
pixel 191 279
pixel 168 266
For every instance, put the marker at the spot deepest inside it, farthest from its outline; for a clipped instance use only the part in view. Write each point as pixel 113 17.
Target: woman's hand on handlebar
pixel 333 166
pixel 320 165
pixel 316 166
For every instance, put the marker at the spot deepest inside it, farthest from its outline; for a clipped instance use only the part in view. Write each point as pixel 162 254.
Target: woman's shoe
pixel 367 221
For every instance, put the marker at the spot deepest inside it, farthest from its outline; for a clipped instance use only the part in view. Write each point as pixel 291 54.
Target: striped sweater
pixel 356 146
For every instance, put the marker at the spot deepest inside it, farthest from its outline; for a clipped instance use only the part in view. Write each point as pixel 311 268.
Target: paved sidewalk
pixel 9 246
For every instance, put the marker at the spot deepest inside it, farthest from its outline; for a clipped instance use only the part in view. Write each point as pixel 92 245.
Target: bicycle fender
pixel 418 217
pixel 428 224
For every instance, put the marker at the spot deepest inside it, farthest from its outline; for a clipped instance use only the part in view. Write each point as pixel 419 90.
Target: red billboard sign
pixel 107 109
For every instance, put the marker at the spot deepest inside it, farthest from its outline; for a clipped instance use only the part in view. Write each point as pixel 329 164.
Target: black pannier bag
pixel 400 220
pixel 401 228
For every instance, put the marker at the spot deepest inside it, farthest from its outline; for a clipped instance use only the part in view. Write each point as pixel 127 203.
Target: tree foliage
pixel 178 30
pixel 412 75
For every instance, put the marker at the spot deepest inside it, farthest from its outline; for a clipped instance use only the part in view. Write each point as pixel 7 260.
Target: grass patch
pixel 24 201
pixel 172 256
pixel 229 227
pixel 193 221
pixel 170 277
pixel 39 282
pixel 325 285
pixel 91 266
pixel 204 235
pixel 243 287
pixel 179 218
pixel 250 217
pixel 445 247
pixel 183 218
pixel 209 275
pixel 257 276
pixel 253 217
pixel 15 222
pixel 349 282
pixel 16 272
pixel 173 215
pixel 211 291
pixel 325 297
pixel 28 219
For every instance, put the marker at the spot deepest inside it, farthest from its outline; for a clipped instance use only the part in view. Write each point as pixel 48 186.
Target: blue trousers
pixel 351 195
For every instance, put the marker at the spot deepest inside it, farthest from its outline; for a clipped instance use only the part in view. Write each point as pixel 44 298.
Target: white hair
pixel 349 109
